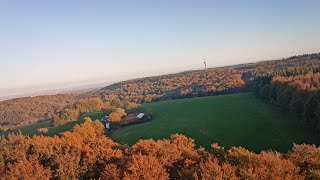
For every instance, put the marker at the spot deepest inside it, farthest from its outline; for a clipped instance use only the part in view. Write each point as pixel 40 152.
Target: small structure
pixel 106 122
pixel 131 118
pixel 127 120
pixel 108 125
pixel 140 115
pixel 205 64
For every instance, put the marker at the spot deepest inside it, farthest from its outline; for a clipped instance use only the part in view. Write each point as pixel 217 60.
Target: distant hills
pixel 73 89
pixel 214 81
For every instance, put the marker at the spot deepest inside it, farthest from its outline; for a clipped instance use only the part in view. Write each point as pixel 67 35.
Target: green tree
pixel 149 113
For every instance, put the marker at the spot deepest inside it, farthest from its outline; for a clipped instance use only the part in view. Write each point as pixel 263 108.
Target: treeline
pixel 182 85
pixel 60 109
pixel 73 113
pixel 214 81
pixel 292 66
pixel 300 94
pixel 25 111
pixel 87 153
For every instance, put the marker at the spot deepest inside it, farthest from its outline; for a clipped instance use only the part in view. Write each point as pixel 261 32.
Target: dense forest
pixel 60 109
pixel 87 153
pixel 24 111
pixel 214 81
pixel 187 84
pixel 111 106
pixel 299 94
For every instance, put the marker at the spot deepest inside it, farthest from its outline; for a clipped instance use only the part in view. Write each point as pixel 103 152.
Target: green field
pixel 230 120
pixel 32 128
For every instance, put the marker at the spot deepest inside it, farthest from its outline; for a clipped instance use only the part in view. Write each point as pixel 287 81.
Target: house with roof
pixel 127 120
pixel 140 115
pixel 132 118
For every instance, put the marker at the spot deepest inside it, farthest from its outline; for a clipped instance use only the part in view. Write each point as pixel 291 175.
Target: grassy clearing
pixel 230 120
pixel 32 128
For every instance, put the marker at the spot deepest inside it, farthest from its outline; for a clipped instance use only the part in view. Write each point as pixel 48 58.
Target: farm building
pixel 140 115
pixel 130 118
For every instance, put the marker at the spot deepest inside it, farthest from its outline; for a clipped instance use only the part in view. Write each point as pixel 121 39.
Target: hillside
pixel 25 111
pixel 230 120
pixel 297 94
pixel 215 81
pixel 32 129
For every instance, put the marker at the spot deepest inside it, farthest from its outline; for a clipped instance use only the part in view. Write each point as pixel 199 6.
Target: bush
pixel 149 113
pixel 66 116
pixel 43 130
pixel 114 117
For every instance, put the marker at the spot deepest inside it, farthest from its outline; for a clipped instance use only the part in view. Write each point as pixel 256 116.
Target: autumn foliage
pixel 87 153
pixel 114 117
pixel 63 108
pixel 299 94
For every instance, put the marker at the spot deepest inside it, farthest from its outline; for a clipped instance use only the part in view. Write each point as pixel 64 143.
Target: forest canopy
pixel 215 81
pixel 87 153
pixel 299 94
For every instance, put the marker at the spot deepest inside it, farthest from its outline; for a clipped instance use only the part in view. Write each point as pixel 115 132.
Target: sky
pixel 55 43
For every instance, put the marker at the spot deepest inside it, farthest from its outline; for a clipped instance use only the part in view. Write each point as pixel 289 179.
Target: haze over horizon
pixel 53 44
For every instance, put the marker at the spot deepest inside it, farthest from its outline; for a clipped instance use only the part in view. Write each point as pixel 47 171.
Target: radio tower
pixel 205 64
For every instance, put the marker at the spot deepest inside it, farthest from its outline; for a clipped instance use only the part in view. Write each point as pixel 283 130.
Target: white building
pixel 140 115
pixel 106 122
pixel 107 125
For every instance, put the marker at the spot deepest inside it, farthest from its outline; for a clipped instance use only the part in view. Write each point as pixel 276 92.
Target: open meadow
pixel 230 120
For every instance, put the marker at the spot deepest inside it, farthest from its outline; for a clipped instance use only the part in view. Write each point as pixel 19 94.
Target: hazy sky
pixel 47 43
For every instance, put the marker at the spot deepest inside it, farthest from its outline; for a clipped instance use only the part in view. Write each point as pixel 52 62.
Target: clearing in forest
pixel 230 120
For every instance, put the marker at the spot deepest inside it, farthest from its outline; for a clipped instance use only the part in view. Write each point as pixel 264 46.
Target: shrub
pixel 149 113
pixel 43 130
pixel 114 117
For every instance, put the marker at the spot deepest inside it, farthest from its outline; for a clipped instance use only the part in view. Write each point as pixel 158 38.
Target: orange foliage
pixel 307 158
pixel 43 130
pixel 114 117
pixel 215 81
pixel 210 169
pixel 27 169
pixel 13 148
pixel 300 94
pixel 87 153
pixel 89 129
pixel 266 165
pixel 145 168
pixel 111 172
pixel 310 82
